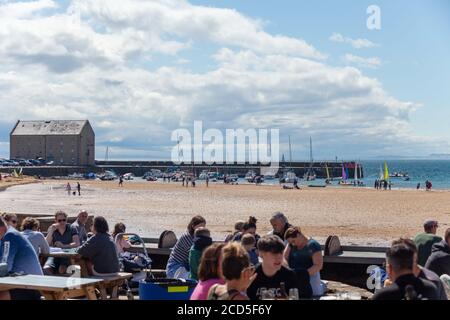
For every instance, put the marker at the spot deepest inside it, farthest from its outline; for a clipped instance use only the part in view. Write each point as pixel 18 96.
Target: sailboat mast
pixel 290 153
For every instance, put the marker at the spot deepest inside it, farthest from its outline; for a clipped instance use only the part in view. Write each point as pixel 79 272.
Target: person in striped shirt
pixel 178 263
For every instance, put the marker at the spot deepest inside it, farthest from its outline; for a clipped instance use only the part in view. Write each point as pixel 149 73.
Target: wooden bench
pixel 335 253
pixel 111 284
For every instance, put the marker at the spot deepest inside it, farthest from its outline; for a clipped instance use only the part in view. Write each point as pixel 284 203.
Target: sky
pixel 140 69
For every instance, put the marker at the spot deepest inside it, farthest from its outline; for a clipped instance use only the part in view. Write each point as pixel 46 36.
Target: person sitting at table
pixel 279 224
pixel 80 225
pixel 202 240
pixel 400 260
pixel 271 274
pixel 20 257
pixel 249 243
pixel 303 255
pixel 422 272
pixel 248 228
pixel 178 263
pixel 60 235
pixel 237 272
pixel 121 244
pixel 100 249
pixel 238 227
pixel 30 230
pixel 209 271
pixel 10 219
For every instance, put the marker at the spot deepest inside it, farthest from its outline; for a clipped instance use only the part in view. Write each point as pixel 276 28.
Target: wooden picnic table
pixel 74 257
pixel 51 287
pixel 112 283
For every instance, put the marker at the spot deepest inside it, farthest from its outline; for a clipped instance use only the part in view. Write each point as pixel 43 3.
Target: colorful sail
pixel 328 172
pixel 386 172
pixel 347 175
pixel 356 172
pixel 344 176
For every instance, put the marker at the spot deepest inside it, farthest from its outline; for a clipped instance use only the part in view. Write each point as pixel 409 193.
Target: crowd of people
pixel 245 266
pixel 20 251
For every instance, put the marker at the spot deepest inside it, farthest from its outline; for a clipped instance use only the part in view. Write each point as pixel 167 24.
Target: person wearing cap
pixel 424 241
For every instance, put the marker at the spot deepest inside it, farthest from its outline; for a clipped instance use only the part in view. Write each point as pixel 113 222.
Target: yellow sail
pixel 328 172
pixel 386 172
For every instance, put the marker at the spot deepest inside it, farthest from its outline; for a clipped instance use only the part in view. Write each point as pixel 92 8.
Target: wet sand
pixel 7 182
pixel 357 216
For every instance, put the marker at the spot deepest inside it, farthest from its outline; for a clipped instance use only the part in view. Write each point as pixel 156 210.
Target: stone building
pixel 65 142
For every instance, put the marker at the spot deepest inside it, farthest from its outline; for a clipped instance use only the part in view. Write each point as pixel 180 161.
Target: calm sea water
pixel 437 171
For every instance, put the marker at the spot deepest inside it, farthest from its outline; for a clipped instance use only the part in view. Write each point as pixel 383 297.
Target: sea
pixel 436 171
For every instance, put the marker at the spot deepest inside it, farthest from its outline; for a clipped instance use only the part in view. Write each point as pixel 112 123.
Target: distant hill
pixel 440 155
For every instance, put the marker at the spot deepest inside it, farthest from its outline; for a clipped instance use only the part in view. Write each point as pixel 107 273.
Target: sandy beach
pixel 357 216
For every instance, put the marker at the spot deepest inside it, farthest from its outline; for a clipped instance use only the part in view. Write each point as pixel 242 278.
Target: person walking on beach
pixel 79 188
pixel 207 181
pixel 121 181
pixel 296 183
pixel 183 179
pixel 376 184
pixel 68 188
pixel 418 186
pixel 385 184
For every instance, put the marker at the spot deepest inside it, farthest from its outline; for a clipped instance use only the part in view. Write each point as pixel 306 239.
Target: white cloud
pixel 59 66
pixel 180 18
pixel 355 43
pixel 373 62
pixel 25 9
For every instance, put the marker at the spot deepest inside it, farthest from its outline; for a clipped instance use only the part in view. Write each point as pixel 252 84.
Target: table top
pixel 49 283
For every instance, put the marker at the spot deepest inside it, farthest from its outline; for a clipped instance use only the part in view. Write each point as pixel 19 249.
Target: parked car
pixel 23 162
pixel 11 163
pixel 35 162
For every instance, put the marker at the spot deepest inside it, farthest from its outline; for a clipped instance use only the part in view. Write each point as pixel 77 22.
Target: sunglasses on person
pixel 61 220
pixel 13 221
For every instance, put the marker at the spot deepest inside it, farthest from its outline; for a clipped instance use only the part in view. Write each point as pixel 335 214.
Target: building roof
pixel 49 127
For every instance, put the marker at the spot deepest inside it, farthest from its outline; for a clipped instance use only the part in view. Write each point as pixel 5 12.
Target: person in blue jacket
pixel 20 257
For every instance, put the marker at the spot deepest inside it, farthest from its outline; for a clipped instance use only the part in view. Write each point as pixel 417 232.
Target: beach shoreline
pixel 9 182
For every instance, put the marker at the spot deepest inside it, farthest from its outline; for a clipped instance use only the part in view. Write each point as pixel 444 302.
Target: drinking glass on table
pixel 354 296
pixel 267 294
pixel 293 294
